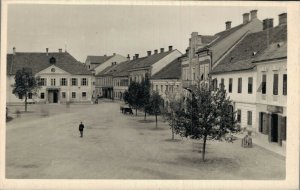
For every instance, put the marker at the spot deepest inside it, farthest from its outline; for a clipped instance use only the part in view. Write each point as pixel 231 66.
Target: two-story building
pixel 255 78
pixel 63 78
pixel 167 82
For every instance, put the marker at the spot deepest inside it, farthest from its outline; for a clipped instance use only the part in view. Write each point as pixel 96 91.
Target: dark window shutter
pixel 275 84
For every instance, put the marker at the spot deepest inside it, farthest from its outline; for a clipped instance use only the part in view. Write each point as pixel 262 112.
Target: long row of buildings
pixel 250 59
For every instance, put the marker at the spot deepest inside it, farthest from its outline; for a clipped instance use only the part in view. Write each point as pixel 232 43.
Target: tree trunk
pixel 172 132
pixel 26 103
pixel 135 111
pixel 203 150
pixel 156 119
pixel 145 113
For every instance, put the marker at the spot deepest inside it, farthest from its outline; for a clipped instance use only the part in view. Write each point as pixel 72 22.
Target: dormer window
pixel 52 60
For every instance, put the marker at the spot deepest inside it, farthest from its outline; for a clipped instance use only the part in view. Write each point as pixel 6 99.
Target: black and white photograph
pixel 149 92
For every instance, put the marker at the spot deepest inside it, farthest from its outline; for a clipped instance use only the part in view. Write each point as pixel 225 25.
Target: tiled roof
pixel 221 35
pixel 207 39
pixel 122 70
pixel 171 71
pixel 253 46
pixel 108 70
pixel 274 51
pixel 40 61
pixel 150 60
pixel 97 59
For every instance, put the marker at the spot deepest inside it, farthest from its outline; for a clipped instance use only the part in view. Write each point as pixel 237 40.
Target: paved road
pixel 116 146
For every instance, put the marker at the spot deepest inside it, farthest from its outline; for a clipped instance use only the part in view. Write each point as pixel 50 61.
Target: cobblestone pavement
pixel 117 146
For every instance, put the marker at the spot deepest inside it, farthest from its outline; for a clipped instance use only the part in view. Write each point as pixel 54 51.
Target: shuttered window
pixel 230 85
pixel 239 116
pixel 275 84
pixel 222 81
pixel 250 85
pixel 249 116
pixel 264 84
pixel 284 90
pixel 239 85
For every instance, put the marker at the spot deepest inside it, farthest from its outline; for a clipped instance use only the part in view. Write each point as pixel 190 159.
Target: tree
pixel 145 90
pixel 175 106
pixel 155 105
pixel 134 96
pixel 25 83
pixel 208 115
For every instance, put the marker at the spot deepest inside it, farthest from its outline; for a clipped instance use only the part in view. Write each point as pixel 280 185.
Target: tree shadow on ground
pixel 146 121
pixel 173 140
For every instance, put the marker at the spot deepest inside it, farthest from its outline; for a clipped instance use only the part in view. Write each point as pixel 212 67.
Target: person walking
pixel 81 126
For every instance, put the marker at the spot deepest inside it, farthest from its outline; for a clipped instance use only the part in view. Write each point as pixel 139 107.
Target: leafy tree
pixel 155 105
pixel 145 90
pixel 208 115
pixel 176 105
pixel 134 96
pixel 25 83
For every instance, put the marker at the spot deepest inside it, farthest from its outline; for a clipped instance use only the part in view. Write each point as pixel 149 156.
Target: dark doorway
pixel 261 121
pixel 274 128
pixel 55 97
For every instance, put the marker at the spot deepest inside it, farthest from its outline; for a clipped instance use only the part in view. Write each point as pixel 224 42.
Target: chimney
pixel 60 50
pixel 245 18
pixel 136 56
pixel 267 23
pixel 253 14
pixel 162 50
pixel 228 25
pixel 14 50
pixel 155 51
pixel 47 51
pixel 128 57
pixel 170 48
pixel 282 18
pixel 148 53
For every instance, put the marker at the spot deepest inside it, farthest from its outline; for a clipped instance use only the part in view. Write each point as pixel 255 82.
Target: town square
pixel 140 92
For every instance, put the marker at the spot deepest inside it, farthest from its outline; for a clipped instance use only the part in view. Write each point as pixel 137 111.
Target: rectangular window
pixel 84 82
pixel 284 90
pixel 63 95
pixel 249 116
pixel 161 88
pixel 42 95
pixel 230 85
pixel 275 84
pixel 250 85
pixel 239 116
pixel 63 82
pixel 29 95
pixel 53 82
pixel 264 84
pixel 239 85
pixel 43 82
pixel 156 88
pixel 84 95
pixel 222 81
pixel 73 94
pixel 20 97
pixel 74 81
pixel 215 84
pixel 166 88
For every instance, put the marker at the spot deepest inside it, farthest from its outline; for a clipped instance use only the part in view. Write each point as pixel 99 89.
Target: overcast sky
pixel 106 29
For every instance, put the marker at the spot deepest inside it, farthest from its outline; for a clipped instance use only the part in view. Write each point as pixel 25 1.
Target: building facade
pixel 255 77
pixel 63 79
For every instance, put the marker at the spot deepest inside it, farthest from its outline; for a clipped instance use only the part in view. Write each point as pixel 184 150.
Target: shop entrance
pixel 274 128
